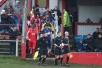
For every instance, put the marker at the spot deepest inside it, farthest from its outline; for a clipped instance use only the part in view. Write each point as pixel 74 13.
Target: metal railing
pixel 17 41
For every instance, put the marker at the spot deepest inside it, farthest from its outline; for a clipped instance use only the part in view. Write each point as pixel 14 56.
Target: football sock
pixel 43 60
pixel 40 58
pixel 56 60
pixel 67 59
pixel 61 59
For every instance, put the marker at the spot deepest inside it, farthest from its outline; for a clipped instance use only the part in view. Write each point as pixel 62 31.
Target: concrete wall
pixel 92 12
pixel 60 5
pixel 90 2
pixel 53 3
pixel 89 9
pixel 88 29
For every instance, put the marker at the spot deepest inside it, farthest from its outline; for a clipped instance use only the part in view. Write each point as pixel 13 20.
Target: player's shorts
pixel 43 51
pixel 58 51
pixel 31 44
pixel 66 50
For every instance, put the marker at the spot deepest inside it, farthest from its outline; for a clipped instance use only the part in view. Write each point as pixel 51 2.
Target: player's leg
pixel 56 60
pixel 33 48
pixel 30 47
pixel 44 59
pixel 56 56
pixel 44 56
pixel 41 56
pixel 67 51
pixel 67 59
pixel 61 57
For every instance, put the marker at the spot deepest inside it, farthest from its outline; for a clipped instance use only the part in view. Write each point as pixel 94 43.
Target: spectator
pixel 11 8
pixel 6 8
pixel 13 32
pixel 100 20
pixel 17 7
pixel 100 30
pixel 89 43
pixel 80 45
pixel 4 20
pixel 98 43
pixel 88 20
pixel 95 34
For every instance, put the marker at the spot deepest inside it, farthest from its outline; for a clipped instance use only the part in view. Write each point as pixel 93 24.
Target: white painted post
pixel 16 47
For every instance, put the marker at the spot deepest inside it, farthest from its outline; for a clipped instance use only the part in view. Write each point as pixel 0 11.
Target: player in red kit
pixel 37 22
pixel 32 38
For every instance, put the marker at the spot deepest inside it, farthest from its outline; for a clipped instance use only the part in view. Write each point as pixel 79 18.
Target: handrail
pixel 7 36
pixel 9 24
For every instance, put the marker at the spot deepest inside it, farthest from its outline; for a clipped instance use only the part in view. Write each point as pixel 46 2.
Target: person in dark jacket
pixel 98 43
pixel 13 32
pixel 43 46
pixel 89 43
pixel 80 45
pixel 59 44
pixel 66 48
pixel 96 33
pixel 4 20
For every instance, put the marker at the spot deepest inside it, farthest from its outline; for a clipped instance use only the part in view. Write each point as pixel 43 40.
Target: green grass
pixel 14 62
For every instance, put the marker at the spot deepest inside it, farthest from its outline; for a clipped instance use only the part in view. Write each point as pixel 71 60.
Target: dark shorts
pixel 66 50
pixel 43 51
pixel 58 51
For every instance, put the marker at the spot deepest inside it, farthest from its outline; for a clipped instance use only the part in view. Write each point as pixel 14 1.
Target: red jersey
pixel 32 35
pixel 37 23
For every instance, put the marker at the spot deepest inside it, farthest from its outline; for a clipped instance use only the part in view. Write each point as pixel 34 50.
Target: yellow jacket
pixel 52 27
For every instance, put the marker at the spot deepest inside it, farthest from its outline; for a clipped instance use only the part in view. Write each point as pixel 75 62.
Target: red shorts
pixel 31 44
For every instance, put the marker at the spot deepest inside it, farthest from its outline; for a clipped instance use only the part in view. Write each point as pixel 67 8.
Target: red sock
pixel 33 52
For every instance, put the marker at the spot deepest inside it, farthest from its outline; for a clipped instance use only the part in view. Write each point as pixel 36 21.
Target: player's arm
pixel 55 41
pixel 27 36
pixel 65 42
pixel 39 43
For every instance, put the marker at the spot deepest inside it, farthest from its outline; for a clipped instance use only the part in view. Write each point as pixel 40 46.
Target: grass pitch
pixel 14 62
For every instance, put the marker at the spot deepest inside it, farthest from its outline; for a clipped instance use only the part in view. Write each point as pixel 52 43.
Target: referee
pixel 43 45
pixel 58 48
pixel 66 49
